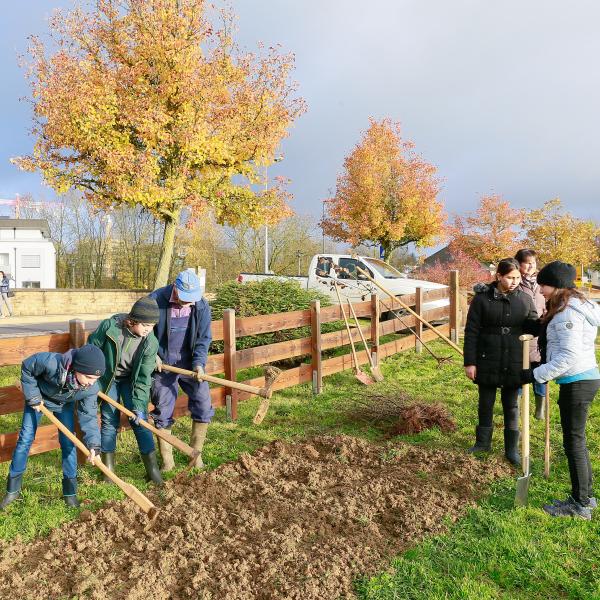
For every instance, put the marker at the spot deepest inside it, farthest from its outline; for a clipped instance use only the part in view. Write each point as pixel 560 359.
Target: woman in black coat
pixel 498 315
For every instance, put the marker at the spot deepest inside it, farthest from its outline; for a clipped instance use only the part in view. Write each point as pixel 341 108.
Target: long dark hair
pixel 559 300
pixel 506 265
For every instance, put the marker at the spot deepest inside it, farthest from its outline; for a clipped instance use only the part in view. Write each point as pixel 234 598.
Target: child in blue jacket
pixel 60 382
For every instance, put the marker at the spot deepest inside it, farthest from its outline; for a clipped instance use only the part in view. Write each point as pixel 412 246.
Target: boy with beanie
pixel 130 347
pixel 184 335
pixel 60 382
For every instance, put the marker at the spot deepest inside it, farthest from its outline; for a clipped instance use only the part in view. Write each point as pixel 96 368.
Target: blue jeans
pixel 110 418
pixel 539 389
pixel 31 420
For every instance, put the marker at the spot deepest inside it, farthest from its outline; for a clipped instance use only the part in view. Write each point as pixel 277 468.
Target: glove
pixel 527 376
pixel 138 415
pixel 158 364
pixel 199 369
pixel 93 455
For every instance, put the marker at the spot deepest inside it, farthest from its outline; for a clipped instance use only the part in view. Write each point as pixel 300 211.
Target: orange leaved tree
pixel 491 233
pixel 386 194
pixel 151 103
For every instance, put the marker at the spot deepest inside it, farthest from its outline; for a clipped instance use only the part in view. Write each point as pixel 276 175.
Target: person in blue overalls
pixel 59 382
pixel 184 335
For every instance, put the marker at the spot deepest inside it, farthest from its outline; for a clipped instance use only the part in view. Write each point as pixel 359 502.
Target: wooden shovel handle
pixel 362 337
pixel 130 490
pixel 547 431
pixel 251 389
pixel 526 339
pixel 170 439
pixel 354 357
pixel 412 312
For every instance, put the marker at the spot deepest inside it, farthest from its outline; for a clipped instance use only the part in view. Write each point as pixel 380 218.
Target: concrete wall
pixel 73 302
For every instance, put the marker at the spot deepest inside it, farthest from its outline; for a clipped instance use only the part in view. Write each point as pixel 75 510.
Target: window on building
pixel 4 262
pixel 30 261
pixel 31 284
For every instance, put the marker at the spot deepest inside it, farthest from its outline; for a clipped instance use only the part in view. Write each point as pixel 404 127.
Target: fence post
pixel 76 340
pixel 315 347
pixel 375 315
pixel 419 324
pixel 454 306
pixel 229 352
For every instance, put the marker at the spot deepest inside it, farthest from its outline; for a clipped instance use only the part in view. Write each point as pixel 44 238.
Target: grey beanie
pixel 145 310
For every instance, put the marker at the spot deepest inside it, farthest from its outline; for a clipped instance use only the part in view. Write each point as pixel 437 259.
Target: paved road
pixel 8 330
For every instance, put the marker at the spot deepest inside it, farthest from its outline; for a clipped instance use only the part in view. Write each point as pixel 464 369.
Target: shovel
pixel 547 441
pixel 360 375
pixel 375 370
pixel 522 493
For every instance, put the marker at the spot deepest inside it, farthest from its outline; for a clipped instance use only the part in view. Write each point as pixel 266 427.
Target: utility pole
pixel 299 254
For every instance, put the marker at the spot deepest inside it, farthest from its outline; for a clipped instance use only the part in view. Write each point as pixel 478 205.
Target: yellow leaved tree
pixel 151 103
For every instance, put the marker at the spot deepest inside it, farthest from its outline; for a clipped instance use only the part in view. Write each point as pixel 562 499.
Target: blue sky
pixel 502 96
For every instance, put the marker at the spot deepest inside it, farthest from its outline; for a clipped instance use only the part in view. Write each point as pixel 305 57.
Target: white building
pixel 27 253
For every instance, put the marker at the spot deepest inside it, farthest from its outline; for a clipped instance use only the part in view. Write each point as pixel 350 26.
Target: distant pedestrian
pixel 4 294
pixel 567 344
pixel 493 355
pixel 129 346
pixel 62 383
pixel 528 266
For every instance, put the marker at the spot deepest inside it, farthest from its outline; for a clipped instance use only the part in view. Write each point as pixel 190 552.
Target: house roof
pixel 36 224
pixel 442 256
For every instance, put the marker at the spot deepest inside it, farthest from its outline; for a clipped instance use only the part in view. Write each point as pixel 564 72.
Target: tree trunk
pixel 166 251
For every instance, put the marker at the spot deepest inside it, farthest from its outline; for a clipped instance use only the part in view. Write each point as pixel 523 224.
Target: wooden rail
pixel 14 350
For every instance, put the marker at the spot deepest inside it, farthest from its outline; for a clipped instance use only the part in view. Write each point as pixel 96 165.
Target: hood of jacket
pixel 590 310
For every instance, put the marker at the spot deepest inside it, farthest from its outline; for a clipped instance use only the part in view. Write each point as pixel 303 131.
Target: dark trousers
pixel 574 401
pixel 487 398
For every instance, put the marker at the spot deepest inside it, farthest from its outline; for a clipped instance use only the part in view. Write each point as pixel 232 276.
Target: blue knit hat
pixel 89 360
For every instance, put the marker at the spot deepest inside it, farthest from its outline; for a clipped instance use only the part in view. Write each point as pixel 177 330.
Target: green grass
pixel 495 551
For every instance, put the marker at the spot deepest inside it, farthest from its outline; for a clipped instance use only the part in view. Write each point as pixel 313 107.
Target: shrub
pixel 263 298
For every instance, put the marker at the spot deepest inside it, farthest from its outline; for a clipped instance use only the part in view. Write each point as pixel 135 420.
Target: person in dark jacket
pixel 528 266
pixel 184 335
pixel 60 382
pixel 493 355
pixel 129 346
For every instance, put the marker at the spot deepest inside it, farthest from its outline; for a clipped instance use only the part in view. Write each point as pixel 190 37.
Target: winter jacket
pixel 44 377
pixel 199 324
pixel 494 323
pixel 532 289
pixel 571 336
pixel 4 285
pixel 106 337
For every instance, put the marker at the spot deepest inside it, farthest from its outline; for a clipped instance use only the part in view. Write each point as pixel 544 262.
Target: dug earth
pixel 292 521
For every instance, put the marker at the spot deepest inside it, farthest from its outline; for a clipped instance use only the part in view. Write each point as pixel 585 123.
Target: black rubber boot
pixel 108 459
pixel 152 471
pixel 511 446
pixel 69 487
pixel 539 407
pixel 483 439
pixel 13 490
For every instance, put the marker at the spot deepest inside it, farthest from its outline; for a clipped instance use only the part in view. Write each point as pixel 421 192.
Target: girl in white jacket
pixel 569 357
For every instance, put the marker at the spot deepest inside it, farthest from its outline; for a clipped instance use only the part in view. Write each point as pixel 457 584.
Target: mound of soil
pixel 293 521
pixel 416 417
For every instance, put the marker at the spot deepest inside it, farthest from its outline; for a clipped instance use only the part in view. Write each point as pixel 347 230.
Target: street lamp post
pixel 276 159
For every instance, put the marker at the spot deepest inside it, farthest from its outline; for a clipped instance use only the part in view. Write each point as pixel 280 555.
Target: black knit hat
pixel 89 360
pixel 557 274
pixel 145 310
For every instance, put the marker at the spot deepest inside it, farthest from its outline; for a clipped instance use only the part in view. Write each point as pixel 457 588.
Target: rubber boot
pixel 483 439
pixel 539 407
pixel 511 446
pixel 13 490
pixel 69 487
pixel 197 441
pixel 166 453
pixel 108 460
pixel 152 471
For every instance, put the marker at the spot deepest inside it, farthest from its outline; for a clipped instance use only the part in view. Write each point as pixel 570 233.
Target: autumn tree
pixel 557 235
pixel 489 234
pixel 386 194
pixel 151 103
pixel 470 270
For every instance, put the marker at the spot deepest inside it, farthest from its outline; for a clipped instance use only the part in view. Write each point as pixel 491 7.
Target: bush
pixel 264 298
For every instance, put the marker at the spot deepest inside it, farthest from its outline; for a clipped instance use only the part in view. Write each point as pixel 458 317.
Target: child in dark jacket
pixel 61 382
pixel 493 355
pixel 130 348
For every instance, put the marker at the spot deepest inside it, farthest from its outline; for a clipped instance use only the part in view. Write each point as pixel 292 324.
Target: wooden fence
pixel 14 350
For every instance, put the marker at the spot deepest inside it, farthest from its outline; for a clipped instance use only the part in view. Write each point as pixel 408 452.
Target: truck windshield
pixel 385 270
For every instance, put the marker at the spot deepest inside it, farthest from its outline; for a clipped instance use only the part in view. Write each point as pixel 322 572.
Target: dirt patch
pixel 420 416
pixel 292 521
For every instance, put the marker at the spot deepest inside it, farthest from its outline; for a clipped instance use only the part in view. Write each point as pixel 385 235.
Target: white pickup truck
pixel 342 268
